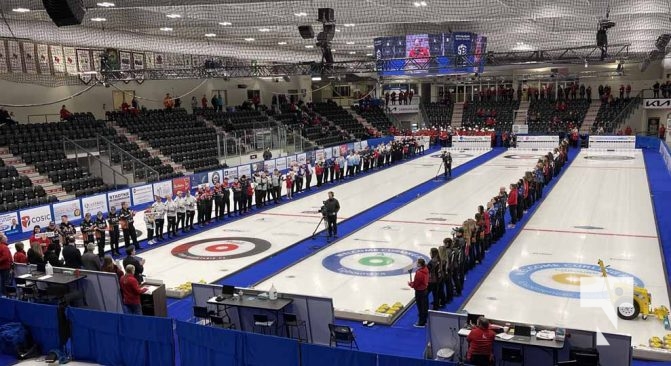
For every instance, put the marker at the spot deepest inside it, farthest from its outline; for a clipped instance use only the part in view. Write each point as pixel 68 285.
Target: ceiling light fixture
pixel 166 29
pixel 352 52
pixel 348 25
pixel 249 39
pixel 98 19
pixel 105 4
pixel 225 24
pixel 417 4
pixel 20 10
pixel 369 46
pixel 309 46
pixel 349 43
pixel 301 14
pixel 316 78
pixel 173 16
pixel 369 54
pixel 210 35
pixel 281 43
pixel 264 30
pixel 338 30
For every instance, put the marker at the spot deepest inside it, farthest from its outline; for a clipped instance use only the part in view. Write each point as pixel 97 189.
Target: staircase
pixel 521 113
pixel 590 117
pixel 179 168
pixel 52 189
pixel 457 114
pixel 362 120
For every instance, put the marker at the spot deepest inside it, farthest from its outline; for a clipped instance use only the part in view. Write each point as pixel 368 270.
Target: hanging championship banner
pixel 3 58
pixel 149 60
pixel 29 57
pixel 14 55
pixel 57 61
pixel 159 61
pixel 138 61
pixel 188 61
pixel 97 54
pixel 84 65
pixel 70 59
pixel 43 59
pixel 124 58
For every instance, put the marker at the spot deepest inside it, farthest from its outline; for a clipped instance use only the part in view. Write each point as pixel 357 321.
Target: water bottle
pixel 49 269
pixel 272 294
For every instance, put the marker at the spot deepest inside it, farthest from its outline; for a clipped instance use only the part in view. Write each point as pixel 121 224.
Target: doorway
pixel 653 126
pixel 120 96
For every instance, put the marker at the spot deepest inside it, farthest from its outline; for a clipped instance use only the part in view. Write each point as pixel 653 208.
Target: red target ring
pixel 225 247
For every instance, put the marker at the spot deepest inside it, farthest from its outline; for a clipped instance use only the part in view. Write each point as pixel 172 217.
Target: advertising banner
pixel 302 158
pixel 163 189
pixel 364 144
pixel 648 103
pixel 198 179
pixel 335 151
pixel 291 159
pixel 245 170
pixel 143 194
pixel 114 199
pixel 281 163
pixel 35 216
pixel 71 209
pixel 214 177
pixel 181 184
pixel 9 223
pixel 343 150
pixel 319 155
pixel 231 173
pixel 269 165
pixel 95 204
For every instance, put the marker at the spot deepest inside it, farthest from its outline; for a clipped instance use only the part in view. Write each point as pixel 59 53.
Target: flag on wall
pixel 70 59
pixel 29 57
pixel 57 59
pixel 124 58
pixel 14 55
pixel 3 57
pixel 43 58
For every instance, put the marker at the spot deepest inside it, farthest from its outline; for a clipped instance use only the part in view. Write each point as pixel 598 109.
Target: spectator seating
pixel 547 116
pixel 177 135
pixel 439 114
pixel 238 120
pixel 503 114
pixel 17 191
pixel 341 118
pixel 609 115
pixel 376 117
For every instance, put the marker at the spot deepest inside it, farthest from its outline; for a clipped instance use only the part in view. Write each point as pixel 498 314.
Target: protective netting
pixel 155 34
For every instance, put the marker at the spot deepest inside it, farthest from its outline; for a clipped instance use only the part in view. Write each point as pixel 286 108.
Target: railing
pixel 96 165
pixel 629 108
pixel 141 171
pixel 239 147
pixel 40 118
pixel 425 117
pixel 392 118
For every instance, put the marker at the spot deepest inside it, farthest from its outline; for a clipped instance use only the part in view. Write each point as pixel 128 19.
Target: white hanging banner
pixel 14 55
pixel 97 54
pixel 84 61
pixel 70 59
pixel 159 60
pixel 138 61
pixel 43 59
pixel 124 58
pixel 3 58
pixel 149 60
pixel 29 58
pixel 57 59
pixel 188 61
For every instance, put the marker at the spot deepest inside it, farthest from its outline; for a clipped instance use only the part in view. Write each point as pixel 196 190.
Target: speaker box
pixel 65 12
pixel 242 86
pixel 306 31
pixel 325 15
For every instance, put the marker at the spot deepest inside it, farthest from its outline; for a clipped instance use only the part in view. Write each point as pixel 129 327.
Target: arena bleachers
pixel 177 135
pixel 548 116
pixel 341 118
pixel 502 112
pixel 17 191
pixel 610 114
pixel 439 114
pixel 237 120
pixel 375 116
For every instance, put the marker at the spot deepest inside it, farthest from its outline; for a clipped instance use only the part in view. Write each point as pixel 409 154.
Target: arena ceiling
pixel 182 25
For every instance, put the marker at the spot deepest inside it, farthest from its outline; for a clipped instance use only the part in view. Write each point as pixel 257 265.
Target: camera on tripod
pixel 323 209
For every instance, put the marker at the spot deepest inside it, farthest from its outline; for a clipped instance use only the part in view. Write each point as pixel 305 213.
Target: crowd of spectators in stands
pixel 664 87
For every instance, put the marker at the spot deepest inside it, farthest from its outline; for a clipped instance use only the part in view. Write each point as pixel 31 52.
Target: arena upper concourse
pixel 374 183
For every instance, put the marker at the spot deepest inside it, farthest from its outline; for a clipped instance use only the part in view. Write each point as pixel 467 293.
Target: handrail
pixel 45 117
pixel 99 161
pixel 128 156
pixel 624 113
pixel 392 117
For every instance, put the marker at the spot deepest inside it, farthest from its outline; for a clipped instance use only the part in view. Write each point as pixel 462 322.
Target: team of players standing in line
pixel 450 262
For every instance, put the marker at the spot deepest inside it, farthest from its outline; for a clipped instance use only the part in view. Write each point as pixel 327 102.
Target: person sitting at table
pixel 480 343
pixel 72 256
pixel 111 267
pixel 51 257
pixel 35 256
pixel 20 254
pixel 131 291
pixel 90 261
pixel 137 262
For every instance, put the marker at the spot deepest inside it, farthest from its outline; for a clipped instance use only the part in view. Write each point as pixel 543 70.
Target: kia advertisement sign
pixel 9 223
pixel 34 216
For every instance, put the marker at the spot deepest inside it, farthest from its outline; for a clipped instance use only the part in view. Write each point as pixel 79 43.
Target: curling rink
pixel 370 267
pixel 221 251
pixel 600 209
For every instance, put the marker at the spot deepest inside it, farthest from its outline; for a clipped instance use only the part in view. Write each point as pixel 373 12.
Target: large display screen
pixel 444 53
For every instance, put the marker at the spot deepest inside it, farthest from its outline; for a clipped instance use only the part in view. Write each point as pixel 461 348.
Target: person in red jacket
pixel 662 131
pixel 65 114
pixel 480 344
pixel 131 291
pixel 512 205
pixel 5 263
pixel 421 284
pixel 20 254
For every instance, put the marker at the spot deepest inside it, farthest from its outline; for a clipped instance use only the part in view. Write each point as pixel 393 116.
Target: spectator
pixel 65 114
pixel 5 263
pixel 20 254
pixel 662 133
pixel 628 90
pixel 267 155
pixel 134 103
pixel 168 102
pixel 480 344
pixel 111 267
pixel 435 279
pixel 420 284
pixel 194 103
pixel 90 261
pixel 512 205
pixel 51 257
pixel 131 291
pixel 655 90
pixel 220 102
pixel 256 100
pixel 35 256
pixel 72 256
pixel 178 103
pixel 137 262
pixel 203 102
pixel 621 91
